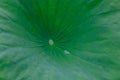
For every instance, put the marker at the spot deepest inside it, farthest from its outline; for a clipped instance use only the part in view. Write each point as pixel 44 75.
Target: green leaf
pixel 59 39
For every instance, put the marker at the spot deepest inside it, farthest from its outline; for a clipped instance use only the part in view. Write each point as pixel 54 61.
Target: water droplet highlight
pixel 51 42
pixel 66 52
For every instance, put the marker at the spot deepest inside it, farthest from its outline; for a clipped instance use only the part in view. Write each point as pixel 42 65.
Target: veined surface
pixel 59 39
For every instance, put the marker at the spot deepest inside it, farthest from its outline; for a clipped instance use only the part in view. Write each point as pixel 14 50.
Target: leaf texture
pixel 59 39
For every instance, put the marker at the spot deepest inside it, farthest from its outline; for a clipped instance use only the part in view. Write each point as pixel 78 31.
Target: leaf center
pixel 51 42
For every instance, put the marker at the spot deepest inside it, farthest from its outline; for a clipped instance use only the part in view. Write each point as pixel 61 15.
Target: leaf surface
pixel 59 39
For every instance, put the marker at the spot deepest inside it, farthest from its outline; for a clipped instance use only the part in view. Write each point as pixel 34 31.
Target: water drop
pixel 66 52
pixel 51 42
